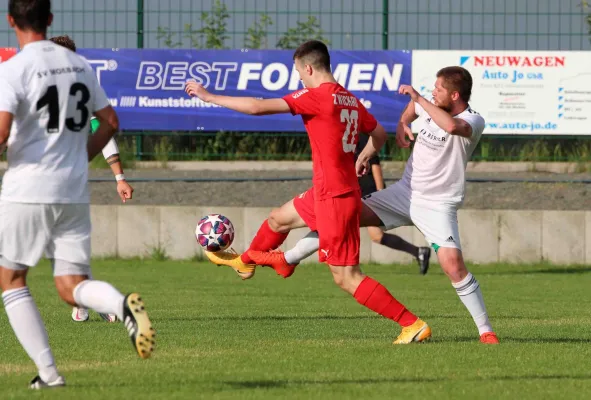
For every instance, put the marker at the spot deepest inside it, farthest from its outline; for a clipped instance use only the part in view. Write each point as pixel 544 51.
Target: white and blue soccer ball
pixel 214 232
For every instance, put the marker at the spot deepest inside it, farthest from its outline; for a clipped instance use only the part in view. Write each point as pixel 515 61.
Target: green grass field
pixel 269 338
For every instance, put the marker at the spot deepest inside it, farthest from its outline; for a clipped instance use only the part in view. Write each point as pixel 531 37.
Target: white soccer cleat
pixel 79 314
pixel 37 383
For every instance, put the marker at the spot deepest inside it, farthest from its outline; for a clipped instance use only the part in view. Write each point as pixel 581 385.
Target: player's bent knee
pixel 347 278
pixel 275 220
pixel 284 219
pixel 66 293
pixel 65 286
pixel 12 278
pixel 452 263
pixel 340 281
pixel 375 234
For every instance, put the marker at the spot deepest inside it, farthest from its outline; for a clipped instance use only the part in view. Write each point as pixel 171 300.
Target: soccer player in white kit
pixel 432 187
pixel 48 96
pixel 111 154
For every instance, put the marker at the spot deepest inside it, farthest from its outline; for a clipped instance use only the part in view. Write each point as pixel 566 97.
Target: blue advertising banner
pixel 147 86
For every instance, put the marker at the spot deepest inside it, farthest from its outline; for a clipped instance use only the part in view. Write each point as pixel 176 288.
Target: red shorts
pixel 336 220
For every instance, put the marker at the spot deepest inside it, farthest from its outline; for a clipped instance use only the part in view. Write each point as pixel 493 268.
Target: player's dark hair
pixel 30 14
pixel 64 41
pixel 457 79
pixel 314 53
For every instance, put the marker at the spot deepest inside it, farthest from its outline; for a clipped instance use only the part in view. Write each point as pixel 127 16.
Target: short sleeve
pixel 99 97
pixel 303 102
pixel 367 122
pixel 10 94
pixel 476 122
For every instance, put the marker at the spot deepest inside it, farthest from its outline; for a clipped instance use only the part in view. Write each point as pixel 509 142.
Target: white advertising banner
pixel 519 92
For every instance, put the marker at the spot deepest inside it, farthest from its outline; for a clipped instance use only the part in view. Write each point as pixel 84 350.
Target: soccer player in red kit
pixel 333 118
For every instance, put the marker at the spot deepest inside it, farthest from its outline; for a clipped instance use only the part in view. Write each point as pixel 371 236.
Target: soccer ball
pixel 214 232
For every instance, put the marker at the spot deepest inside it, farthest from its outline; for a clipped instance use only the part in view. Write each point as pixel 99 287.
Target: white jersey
pixel 52 93
pixel 437 166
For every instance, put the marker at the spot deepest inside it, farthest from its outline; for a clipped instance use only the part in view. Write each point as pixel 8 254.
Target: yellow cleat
pixel 417 332
pixel 232 260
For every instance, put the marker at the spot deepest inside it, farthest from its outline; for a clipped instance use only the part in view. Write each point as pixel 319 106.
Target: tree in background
pixel 586 6
pixel 307 30
pixel 212 34
pixel 256 35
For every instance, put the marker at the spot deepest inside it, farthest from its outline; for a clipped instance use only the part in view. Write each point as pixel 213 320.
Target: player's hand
pixel 402 132
pixel 361 166
pixel 195 89
pixel 410 91
pixel 125 190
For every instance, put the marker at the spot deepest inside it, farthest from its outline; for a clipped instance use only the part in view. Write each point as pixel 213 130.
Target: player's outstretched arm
pixel 453 126
pixel 108 126
pixel 245 105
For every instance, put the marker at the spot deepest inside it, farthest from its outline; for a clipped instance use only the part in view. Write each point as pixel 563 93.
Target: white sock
pixel 29 329
pixel 100 297
pixel 89 278
pixel 305 247
pixel 469 291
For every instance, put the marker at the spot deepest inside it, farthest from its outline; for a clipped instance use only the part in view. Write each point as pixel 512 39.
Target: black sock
pixel 397 243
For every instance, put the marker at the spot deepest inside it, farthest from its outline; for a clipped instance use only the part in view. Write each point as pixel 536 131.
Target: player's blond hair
pixel 64 41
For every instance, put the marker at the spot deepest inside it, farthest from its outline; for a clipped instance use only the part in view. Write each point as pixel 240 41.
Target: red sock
pixel 376 297
pixel 266 239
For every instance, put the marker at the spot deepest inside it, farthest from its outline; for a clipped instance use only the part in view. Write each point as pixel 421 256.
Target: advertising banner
pixel 147 86
pixel 519 92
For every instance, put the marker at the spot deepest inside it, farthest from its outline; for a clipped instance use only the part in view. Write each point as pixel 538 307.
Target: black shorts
pixel 367 184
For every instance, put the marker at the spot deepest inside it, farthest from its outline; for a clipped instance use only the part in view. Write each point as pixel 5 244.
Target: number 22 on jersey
pixel 351 117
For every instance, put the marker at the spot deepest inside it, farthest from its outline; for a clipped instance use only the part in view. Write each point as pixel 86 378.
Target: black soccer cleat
pixel 423 259
pixel 137 323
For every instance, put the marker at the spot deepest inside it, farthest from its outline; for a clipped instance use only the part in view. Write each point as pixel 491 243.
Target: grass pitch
pixel 269 338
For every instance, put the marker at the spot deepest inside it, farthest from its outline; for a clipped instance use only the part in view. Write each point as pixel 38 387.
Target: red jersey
pixel 333 118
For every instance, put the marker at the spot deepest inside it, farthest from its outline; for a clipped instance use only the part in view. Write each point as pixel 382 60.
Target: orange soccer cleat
pixel 489 338
pixel 273 259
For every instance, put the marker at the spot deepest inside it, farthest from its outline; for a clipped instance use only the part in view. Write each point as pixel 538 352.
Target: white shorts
pixel 61 231
pixel 436 219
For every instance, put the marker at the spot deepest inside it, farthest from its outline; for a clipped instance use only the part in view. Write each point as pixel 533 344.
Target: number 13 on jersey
pixel 351 117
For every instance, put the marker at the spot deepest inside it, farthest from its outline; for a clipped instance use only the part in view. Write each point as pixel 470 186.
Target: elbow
pixel 255 109
pixel 451 127
pixel 113 123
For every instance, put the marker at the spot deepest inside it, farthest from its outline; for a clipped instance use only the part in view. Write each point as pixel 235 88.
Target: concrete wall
pixel 561 237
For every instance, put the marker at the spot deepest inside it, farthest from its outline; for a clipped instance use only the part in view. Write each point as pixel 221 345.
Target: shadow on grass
pixel 268 384
pixel 548 270
pixel 273 318
pixel 505 339
pixel 278 384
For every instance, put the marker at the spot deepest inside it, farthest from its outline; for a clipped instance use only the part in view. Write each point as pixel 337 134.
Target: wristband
pixel 119 177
